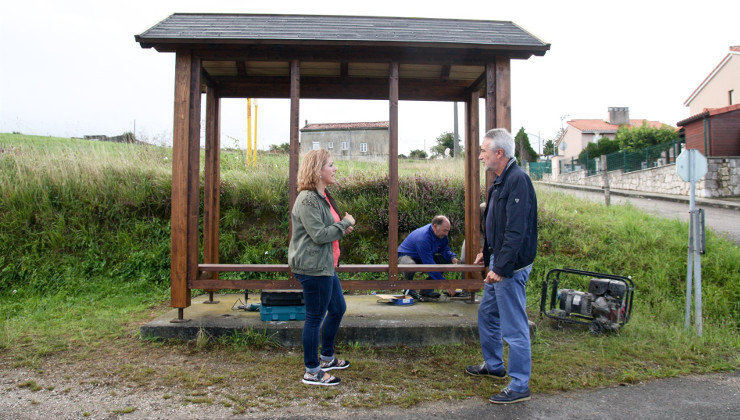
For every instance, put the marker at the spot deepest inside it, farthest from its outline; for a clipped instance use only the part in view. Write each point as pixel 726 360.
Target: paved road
pixel 725 222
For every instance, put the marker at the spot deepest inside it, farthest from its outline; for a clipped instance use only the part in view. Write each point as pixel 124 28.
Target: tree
pixel 549 148
pixel 524 151
pixel 603 146
pixel 445 141
pixel 280 148
pixel 640 137
pixel 418 154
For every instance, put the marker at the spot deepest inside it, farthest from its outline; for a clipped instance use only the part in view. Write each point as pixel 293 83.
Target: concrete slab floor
pixel 366 322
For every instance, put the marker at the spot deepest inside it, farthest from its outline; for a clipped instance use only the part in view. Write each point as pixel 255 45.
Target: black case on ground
pixel 282 298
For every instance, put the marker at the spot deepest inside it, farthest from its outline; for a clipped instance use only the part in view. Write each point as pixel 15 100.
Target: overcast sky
pixel 70 68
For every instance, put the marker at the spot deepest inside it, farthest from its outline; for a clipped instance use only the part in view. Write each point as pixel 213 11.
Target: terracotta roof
pixel 346 126
pixel 601 126
pixel 708 112
pixel 735 48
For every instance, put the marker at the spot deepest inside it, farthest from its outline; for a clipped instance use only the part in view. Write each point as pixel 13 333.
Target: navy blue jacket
pixel 511 222
pixel 422 244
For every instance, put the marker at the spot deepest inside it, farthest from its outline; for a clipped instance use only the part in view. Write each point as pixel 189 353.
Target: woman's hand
pixel 349 230
pixel 348 217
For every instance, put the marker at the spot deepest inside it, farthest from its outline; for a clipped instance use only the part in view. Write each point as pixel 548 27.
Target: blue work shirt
pixel 422 244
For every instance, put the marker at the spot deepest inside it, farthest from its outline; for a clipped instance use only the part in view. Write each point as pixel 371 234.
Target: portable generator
pixel 606 306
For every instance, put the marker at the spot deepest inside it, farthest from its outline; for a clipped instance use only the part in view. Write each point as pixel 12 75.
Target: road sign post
pixel 691 166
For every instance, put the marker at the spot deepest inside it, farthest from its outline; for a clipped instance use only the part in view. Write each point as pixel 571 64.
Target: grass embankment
pixel 84 257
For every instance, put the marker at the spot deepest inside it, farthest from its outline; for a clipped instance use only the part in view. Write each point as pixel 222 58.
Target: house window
pixel 315 145
pixel 345 145
pixel 363 147
pixel 731 93
pixel 330 145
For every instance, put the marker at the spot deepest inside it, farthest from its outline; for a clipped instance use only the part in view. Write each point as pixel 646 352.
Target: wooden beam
pixel 445 75
pixel 472 180
pixel 344 70
pixel 212 180
pixel 295 147
pixel 393 172
pixel 338 88
pixel 502 87
pixel 241 68
pixel 344 268
pixel 210 82
pixel 405 55
pixel 490 113
pixel 467 284
pixel 185 168
pixel 479 83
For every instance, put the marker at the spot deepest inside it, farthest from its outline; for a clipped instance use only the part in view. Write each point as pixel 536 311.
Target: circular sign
pixel 691 165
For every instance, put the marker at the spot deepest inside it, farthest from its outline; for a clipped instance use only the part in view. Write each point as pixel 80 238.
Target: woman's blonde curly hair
pixel 308 171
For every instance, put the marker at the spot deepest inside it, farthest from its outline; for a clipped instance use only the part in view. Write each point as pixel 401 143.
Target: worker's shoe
pixel 430 295
pixel 482 370
pixel 413 294
pixel 507 396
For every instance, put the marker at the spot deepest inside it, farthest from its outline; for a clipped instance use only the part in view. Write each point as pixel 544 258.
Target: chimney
pixel 306 123
pixel 619 115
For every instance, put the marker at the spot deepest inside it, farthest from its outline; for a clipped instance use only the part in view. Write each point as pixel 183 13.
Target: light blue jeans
pixel 502 315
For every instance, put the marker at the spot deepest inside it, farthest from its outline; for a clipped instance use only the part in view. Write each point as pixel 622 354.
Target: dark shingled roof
pixel 358 30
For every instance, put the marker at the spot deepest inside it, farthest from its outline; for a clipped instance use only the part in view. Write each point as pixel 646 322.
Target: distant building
pixel 357 140
pixel 720 88
pixel 579 133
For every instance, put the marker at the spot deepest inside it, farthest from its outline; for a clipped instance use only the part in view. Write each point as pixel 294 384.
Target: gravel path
pixel 60 393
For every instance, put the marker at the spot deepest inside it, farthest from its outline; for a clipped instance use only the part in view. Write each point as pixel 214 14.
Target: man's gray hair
pixel 501 139
pixel 439 219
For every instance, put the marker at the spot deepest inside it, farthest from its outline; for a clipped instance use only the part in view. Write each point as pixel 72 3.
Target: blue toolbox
pixel 283 313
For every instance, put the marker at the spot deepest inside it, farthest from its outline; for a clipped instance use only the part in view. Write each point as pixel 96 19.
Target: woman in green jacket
pixel 313 256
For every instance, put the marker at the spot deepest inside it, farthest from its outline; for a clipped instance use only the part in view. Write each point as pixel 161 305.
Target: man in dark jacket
pixel 509 249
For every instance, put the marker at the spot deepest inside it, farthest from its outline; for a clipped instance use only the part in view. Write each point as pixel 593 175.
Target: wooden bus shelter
pixel 330 57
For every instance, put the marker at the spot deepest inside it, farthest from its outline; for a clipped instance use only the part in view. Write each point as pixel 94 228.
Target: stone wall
pixel 722 179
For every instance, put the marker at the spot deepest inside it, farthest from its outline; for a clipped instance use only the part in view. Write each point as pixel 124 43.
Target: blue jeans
pixel 321 294
pixel 502 315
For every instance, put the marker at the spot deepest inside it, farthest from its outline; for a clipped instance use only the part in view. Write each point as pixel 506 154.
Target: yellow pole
pixel 249 130
pixel 254 150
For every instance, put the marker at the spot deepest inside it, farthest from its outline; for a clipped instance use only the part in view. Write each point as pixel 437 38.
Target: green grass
pixel 84 258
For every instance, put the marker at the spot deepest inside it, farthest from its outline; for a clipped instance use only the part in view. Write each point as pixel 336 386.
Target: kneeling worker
pixel 427 245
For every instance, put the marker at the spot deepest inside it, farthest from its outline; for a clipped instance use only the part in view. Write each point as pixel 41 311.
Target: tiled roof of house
pixel 708 112
pixel 346 126
pixel 601 126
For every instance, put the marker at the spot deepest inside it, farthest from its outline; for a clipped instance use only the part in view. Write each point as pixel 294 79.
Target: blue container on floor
pixel 283 313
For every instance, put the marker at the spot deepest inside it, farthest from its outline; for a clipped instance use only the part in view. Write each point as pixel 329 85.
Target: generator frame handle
pixel 556 281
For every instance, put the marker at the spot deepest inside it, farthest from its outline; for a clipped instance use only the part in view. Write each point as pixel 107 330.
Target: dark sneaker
pixel 334 364
pixel 507 396
pixel 412 293
pixel 482 370
pixel 320 378
pixel 431 295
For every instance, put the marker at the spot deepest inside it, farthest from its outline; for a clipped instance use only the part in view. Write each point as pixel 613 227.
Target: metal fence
pixel 627 161
pixel 537 169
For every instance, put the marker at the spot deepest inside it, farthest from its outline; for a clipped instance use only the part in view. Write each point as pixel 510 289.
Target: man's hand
pixel 455 261
pixel 492 277
pixel 478 259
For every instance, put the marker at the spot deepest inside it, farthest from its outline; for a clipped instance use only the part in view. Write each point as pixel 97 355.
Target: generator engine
pixel 606 306
pixel 604 302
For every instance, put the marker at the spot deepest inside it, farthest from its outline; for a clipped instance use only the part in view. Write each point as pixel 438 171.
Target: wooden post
pixel 393 173
pixel 185 179
pixel 502 87
pixel 490 113
pixel 605 174
pixel 295 146
pixel 472 180
pixel 212 187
